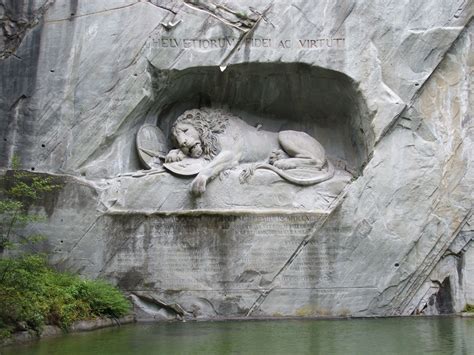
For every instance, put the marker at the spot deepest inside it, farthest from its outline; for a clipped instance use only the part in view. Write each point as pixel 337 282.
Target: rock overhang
pixel 325 103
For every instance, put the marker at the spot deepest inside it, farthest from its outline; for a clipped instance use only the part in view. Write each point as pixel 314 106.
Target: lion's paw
pixel 276 155
pixel 198 187
pixel 224 174
pixel 246 174
pixel 174 156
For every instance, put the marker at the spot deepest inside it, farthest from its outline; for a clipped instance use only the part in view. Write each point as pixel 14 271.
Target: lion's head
pixel 207 123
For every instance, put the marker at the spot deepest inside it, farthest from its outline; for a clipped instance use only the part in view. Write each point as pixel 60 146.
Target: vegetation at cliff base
pixel 20 190
pixel 32 295
pixel 469 308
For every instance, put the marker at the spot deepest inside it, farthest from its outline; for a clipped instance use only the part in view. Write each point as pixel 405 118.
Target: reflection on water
pixel 358 336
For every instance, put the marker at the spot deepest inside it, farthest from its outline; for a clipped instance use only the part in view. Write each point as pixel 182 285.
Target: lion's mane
pixel 209 124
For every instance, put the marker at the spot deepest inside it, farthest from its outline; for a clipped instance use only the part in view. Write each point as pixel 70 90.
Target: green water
pixel 358 336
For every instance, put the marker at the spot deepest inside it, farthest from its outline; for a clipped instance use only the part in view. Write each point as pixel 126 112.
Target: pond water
pixel 446 335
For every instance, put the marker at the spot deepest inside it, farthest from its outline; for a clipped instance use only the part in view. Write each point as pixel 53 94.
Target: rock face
pixel 385 89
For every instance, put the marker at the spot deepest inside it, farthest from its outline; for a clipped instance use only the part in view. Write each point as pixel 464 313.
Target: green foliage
pixel 16 162
pixel 102 298
pixel 21 189
pixel 469 308
pixel 32 295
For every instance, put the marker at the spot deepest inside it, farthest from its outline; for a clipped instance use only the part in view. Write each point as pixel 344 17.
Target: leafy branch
pixel 20 190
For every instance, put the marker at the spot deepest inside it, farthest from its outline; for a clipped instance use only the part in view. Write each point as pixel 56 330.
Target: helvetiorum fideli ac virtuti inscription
pixel 254 42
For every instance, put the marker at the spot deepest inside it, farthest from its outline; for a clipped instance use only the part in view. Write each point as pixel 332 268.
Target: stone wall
pixel 387 90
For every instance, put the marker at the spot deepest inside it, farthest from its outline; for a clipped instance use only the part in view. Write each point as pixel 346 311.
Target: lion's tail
pixel 301 181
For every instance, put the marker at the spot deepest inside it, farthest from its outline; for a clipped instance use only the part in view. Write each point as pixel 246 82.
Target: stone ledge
pixel 219 212
pixel 50 331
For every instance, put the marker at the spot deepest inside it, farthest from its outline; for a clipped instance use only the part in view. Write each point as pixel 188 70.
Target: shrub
pixel 20 189
pixel 469 308
pixel 102 298
pixel 32 295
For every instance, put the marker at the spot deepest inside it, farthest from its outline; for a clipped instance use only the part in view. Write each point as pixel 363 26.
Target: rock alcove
pixel 278 96
pixel 274 96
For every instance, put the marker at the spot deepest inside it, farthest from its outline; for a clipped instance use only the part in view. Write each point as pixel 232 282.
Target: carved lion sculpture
pixel 227 141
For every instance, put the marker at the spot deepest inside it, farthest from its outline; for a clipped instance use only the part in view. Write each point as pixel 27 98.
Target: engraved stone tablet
pixel 151 145
pixel 187 166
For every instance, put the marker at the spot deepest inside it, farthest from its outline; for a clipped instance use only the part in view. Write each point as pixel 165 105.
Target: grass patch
pixel 469 308
pixel 32 295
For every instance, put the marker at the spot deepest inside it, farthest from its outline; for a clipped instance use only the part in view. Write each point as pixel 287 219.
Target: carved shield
pixel 151 146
